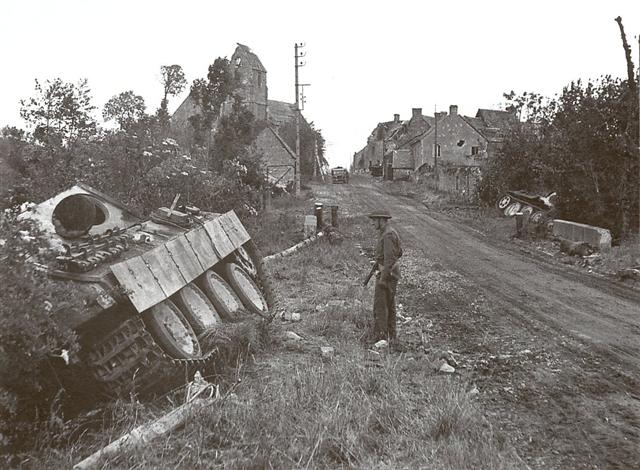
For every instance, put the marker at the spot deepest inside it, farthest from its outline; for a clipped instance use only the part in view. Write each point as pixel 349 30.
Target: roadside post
pixel 334 216
pixel 318 213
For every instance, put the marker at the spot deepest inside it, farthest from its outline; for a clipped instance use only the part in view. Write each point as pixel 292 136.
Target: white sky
pixel 365 60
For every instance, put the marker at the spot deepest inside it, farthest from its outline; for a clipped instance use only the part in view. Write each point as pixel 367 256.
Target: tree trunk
pixel 627 53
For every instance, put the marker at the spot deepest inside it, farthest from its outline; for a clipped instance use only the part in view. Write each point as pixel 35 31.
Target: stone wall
pixel 277 158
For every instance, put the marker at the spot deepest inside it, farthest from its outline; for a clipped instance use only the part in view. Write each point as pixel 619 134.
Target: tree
pixel 173 82
pixel 126 109
pixel 60 113
pixel 577 145
pixel 309 138
pixel 209 96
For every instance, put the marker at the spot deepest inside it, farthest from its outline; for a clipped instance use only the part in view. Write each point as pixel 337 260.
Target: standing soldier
pixel 388 251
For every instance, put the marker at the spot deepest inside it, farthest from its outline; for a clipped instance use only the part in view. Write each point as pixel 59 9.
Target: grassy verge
pixel 286 405
pixel 282 226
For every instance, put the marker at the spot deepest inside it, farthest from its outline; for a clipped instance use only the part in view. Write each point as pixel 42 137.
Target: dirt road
pixel 556 352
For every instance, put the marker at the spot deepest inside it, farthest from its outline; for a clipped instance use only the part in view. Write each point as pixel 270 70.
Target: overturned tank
pixel 535 206
pixel 153 288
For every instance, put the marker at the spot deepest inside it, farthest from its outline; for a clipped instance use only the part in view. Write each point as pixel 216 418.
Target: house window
pixel 475 150
pixel 436 150
pixel 259 79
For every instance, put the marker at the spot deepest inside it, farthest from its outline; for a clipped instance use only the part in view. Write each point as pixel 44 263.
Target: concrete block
pixel 310 223
pixel 597 237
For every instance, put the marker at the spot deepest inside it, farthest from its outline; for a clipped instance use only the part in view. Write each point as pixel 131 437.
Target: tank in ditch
pixel 153 287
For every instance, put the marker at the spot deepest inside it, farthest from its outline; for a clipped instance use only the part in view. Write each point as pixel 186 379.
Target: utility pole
pixel 435 146
pixel 303 98
pixel 298 64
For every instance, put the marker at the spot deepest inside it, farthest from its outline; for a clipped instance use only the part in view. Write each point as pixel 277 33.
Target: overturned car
pixel 154 288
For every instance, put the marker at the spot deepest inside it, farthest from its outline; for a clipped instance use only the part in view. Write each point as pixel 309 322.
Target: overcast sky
pixel 365 60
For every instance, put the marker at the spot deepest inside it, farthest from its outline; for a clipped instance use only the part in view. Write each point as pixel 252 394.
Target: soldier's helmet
pixel 380 214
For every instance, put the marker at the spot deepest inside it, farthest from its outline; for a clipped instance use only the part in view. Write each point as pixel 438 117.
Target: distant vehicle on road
pixel 376 170
pixel 339 175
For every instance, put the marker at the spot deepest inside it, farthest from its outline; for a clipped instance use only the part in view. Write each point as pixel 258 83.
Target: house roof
pixel 284 144
pixel 496 118
pixel 253 59
pixel 491 124
pixel 403 137
pixel 280 112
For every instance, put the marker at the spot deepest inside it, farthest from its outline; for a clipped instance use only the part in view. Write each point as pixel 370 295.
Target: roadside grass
pixel 285 405
pixel 625 255
pixel 282 226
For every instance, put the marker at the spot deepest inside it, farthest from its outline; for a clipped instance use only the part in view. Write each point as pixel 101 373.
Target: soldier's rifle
pixel 374 268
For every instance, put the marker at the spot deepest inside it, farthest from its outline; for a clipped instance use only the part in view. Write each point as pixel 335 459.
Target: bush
pixel 29 336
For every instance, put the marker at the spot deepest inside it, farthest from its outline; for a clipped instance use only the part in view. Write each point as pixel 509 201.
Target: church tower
pixel 253 81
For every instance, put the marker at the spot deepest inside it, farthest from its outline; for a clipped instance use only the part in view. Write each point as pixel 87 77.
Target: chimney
pixel 416 112
pixel 396 118
pixel 453 109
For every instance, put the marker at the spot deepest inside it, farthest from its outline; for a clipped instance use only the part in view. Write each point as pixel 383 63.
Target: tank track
pixel 128 360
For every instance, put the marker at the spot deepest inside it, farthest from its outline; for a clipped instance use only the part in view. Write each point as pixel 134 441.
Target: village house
pixel 448 150
pixel 372 154
pixel 278 158
pixel 453 152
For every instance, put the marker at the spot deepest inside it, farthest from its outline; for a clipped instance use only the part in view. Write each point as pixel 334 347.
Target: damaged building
pixel 278 157
pixel 448 150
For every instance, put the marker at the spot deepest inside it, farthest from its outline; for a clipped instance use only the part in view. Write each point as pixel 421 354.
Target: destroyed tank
pixel 154 288
pixel 537 207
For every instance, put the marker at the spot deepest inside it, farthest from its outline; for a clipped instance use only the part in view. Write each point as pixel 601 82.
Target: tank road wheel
pixel 171 330
pixel 537 217
pixel 527 210
pixel 512 209
pixel 262 279
pixel 221 295
pixel 246 289
pixel 243 259
pixel 197 308
pixel 504 201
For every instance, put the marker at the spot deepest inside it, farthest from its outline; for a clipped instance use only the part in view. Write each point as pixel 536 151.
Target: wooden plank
pixel 234 229
pixel 185 258
pixel 221 242
pixel 142 288
pixel 165 270
pixel 203 247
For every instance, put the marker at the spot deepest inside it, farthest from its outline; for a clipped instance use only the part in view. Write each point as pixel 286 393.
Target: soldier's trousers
pixel 384 310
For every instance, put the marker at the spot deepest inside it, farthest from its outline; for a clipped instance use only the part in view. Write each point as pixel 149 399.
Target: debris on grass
pixel 447 368
pixel 326 352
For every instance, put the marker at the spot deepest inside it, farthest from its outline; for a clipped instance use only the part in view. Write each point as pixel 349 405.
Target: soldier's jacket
pixel 388 251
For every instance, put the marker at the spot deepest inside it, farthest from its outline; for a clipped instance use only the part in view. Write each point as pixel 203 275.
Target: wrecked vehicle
pixel 520 202
pixel 376 170
pixel 153 289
